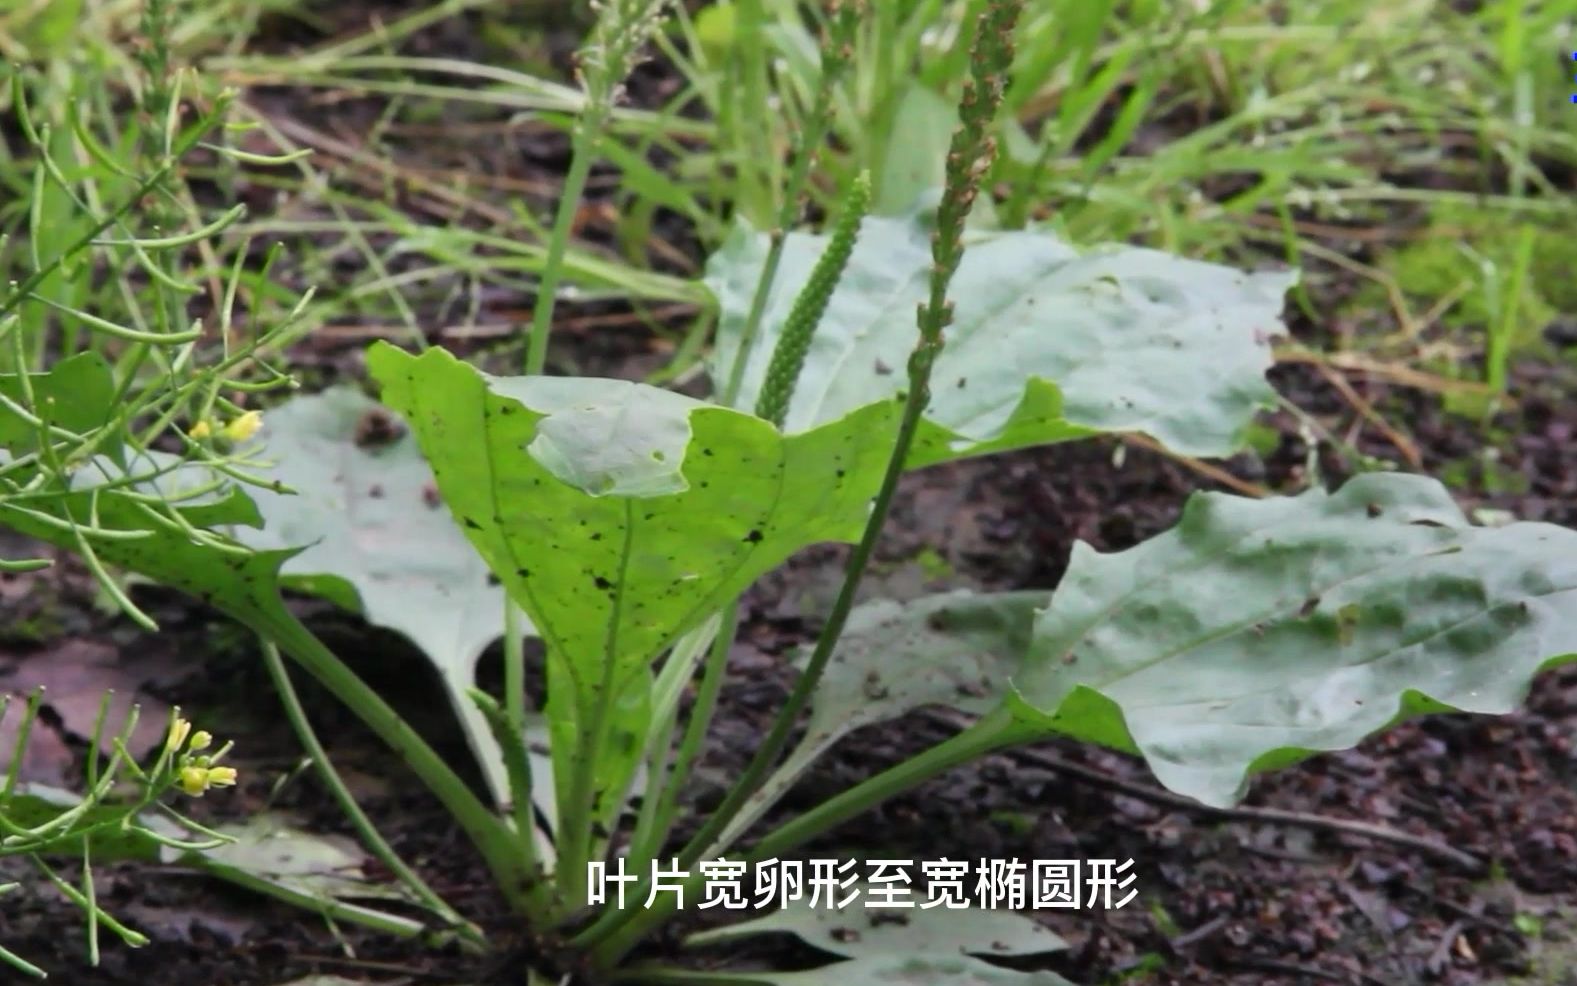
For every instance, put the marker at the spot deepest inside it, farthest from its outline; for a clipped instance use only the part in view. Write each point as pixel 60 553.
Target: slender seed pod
pixel 969 157
pixel 837 54
pixel 788 357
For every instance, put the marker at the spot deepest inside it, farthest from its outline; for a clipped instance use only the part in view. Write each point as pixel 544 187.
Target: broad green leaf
pixel 957 649
pixel 1048 343
pixel 620 515
pixel 864 932
pixel 375 537
pixel 78 394
pixel 244 583
pixel 1257 631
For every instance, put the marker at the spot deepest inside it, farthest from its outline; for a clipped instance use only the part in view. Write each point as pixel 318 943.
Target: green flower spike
pixel 811 303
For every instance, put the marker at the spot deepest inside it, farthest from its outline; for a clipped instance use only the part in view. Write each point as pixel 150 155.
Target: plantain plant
pixel 625 521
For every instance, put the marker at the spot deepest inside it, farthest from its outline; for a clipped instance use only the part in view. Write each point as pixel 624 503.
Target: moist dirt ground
pixel 1479 886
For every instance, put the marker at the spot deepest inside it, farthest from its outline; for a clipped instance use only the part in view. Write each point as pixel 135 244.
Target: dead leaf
pixel 75 674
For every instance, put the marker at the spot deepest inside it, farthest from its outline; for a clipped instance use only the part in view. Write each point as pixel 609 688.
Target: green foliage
pixel 105 824
pixel 799 328
pixel 1469 254
pixel 359 500
pixel 626 521
pixel 618 516
pixel 1256 631
pixel 930 946
pixel 1047 343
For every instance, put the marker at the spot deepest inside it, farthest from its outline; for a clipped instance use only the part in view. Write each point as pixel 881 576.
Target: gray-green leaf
pixel 858 931
pixel 957 649
pixel 375 538
pixel 1047 343
pixel 1257 631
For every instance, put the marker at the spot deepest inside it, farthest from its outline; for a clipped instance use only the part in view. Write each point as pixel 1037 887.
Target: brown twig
pixel 1366 410
pixel 1211 472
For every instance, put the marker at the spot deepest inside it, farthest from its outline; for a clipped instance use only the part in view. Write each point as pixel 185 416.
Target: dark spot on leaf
pixel 1426 522
pixel 473 525
pixel 376 428
pixel 1309 606
pixel 754 537
pixel 492 579
pixel 602 583
pixel 874 688
pixel 524 573
pixel 1373 510
pixel 375 491
pixel 430 495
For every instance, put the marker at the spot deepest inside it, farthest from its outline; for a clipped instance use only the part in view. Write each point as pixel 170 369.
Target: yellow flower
pixel 194 780
pixel 200 430
pixel 195 771
pixel 179 730
pixel 244 427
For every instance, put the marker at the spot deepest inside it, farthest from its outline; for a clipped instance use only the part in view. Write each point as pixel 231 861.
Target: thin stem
pixel 992 732
pixel 493 839
pixel 771 747
pixel 969 157
pixel 370 836
pixel 515 679
pixel 642 851
pixel 835 55
pixel 517 767
pixel 588 138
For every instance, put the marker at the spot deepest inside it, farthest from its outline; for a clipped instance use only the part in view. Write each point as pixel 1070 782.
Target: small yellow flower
pixel 200 430
pixel 179 730
pixel 194 780
pixel 195 771
pixel 244 427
